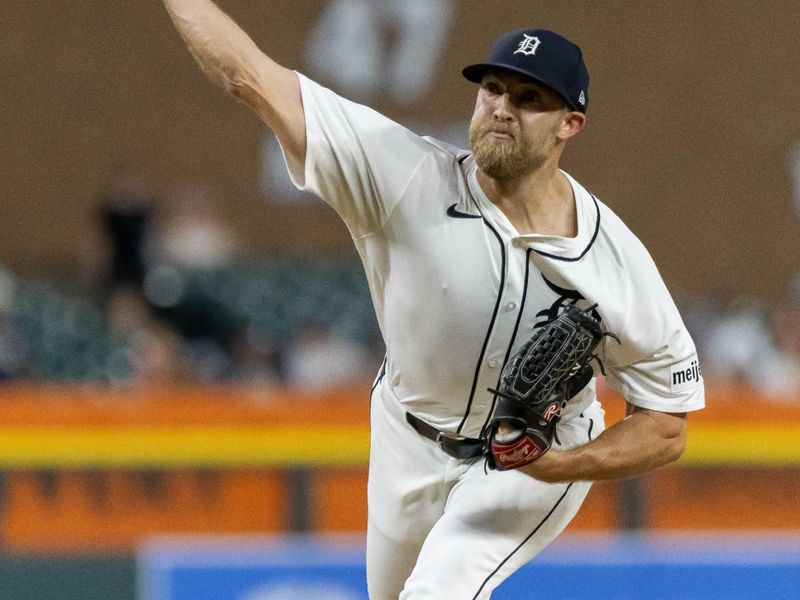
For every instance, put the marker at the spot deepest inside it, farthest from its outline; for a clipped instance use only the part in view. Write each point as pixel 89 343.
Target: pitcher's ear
pixel 572 124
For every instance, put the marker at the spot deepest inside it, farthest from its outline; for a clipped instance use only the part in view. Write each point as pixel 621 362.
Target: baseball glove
pixel 536 384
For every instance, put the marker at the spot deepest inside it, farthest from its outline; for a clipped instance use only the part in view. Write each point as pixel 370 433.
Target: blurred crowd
pixel 157 301
pixel 748 343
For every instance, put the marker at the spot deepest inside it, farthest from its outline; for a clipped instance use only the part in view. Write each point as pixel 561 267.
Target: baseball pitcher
pixel 501 286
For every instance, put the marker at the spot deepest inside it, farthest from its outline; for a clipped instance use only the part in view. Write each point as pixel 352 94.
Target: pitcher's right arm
pixel 228 56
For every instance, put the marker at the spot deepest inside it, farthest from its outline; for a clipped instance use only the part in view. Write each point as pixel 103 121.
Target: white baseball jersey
pixel 456 290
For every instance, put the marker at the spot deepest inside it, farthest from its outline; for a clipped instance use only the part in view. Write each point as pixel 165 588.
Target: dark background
pixel 691 128
pixel 692 118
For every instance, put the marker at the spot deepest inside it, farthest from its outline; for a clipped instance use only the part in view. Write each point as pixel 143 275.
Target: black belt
pixel 453 444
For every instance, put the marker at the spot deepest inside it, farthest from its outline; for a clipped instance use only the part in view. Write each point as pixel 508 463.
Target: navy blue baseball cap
pixel 543 55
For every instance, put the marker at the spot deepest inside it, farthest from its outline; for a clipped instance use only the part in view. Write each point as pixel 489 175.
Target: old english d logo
pixel 456 214
pixel 565 296
pixel 528 45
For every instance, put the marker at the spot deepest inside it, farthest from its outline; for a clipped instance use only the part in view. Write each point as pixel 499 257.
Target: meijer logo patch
pixel 685 375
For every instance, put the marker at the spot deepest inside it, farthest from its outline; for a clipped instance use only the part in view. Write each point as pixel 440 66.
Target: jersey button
pixel 511 306
pixel 494 362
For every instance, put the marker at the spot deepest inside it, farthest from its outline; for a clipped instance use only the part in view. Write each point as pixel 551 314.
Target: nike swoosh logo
pixel 452 212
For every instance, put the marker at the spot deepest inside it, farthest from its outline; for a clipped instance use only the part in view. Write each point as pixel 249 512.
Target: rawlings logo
pixel 550 412
pixel 509 457
pixel 520 453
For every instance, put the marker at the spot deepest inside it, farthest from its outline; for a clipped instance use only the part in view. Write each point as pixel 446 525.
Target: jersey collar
pixel 556 247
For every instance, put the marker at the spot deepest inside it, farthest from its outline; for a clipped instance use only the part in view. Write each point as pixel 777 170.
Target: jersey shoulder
pixel 614 237
pixel 447 150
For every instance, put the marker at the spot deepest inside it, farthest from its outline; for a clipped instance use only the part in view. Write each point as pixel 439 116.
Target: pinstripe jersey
pixel 456 288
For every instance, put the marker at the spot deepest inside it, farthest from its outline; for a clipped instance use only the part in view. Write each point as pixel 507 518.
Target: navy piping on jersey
pixel 528 537
pixel 491 324
pixel 516 329
pixel 591 426
pixel 381 373
pixel 539 526
pixel 588 246
pixel 378 379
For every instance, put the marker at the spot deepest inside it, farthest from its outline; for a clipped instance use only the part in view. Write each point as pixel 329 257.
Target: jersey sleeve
pixel 357 160
pixel 656 365
pixel 669 380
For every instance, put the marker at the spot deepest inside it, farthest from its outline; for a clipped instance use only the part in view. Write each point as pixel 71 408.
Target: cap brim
pixel 475 73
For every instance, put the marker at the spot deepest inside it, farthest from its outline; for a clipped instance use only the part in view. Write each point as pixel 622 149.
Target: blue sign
pixel 684 567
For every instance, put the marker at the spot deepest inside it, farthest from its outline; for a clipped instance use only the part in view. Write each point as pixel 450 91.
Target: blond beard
pixel 507 159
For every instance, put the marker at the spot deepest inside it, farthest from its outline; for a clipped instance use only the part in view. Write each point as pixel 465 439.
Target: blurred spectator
pixel 787 327
pixel 258 358
pixel 206 326
pixel 744 347
pixel 157 356
pixel 127 312
pixel 317 358
pixel 193 234
pixel 783 374
pixel 737 341
pixel 170 332
pixel 118 256
pixel 14 353
pixel 150 349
